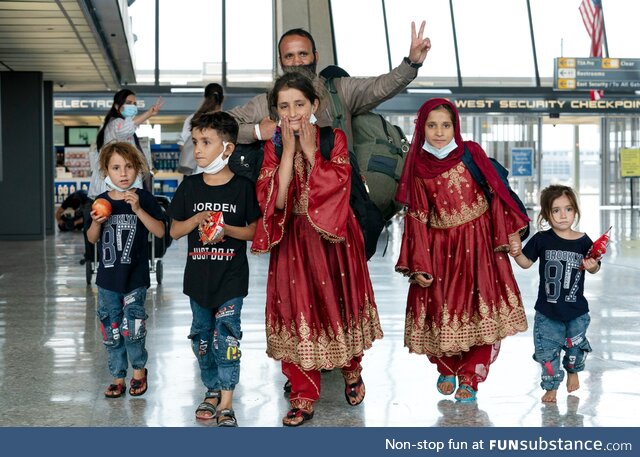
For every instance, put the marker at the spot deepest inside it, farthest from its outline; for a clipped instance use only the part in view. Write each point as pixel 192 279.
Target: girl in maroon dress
pixel 321 312
pixel 463 299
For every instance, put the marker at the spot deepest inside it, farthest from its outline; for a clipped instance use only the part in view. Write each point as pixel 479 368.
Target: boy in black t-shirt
pixel 123 273
pixel 216 277
pixel 562 311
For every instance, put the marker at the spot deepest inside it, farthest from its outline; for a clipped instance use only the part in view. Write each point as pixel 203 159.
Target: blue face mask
pixel 129 110
pixel 440 153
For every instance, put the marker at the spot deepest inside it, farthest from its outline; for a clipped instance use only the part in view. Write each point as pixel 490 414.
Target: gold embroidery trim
pixel 457 333
pixel 315 348
pixel 444 219
pixel 420 215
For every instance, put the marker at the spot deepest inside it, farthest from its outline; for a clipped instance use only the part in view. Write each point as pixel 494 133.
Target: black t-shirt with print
pixel 216 273
pixel 124 245
pixel 561 291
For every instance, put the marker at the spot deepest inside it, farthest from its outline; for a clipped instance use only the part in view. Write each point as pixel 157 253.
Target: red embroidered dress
pixel 454 235
pixel 320 306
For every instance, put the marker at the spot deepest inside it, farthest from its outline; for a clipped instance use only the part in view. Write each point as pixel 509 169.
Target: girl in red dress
pixel 463 299
pixel 321 312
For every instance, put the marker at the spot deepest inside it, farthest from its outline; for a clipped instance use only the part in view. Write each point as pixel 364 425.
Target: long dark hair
pixel 119 100
pixel 293 80
pixel 213 98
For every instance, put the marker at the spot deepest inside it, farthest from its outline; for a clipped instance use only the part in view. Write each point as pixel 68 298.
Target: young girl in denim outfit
pixel 562 311
pixel 123 273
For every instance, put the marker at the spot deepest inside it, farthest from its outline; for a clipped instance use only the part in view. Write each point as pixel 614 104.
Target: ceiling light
pixel 187 90
pixel 419 90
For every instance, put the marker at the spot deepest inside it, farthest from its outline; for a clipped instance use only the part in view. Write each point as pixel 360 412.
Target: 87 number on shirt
pixel 553 280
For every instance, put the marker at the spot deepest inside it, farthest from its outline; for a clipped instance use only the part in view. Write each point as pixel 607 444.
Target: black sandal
pixel 209 407
pixel 295 413
pixel 352 390
pixel 137 384
pixel 227 418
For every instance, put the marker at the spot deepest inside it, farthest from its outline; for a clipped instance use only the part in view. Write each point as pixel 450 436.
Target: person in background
pixel 463 298
pixel 216 275
pixel 70 214
pixel 123 272
pixel 320 314
pixel 121 122
pixel 562 311
pixel 297 48
pixel 213 98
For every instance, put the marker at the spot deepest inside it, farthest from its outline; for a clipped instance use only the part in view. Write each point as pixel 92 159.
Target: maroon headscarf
pixel 422 164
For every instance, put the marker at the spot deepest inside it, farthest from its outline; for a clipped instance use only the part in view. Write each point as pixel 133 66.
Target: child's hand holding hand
pixel 515 245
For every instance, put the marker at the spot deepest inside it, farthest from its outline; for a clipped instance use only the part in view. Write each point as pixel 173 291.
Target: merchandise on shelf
pixel 165 156
pixel 76 159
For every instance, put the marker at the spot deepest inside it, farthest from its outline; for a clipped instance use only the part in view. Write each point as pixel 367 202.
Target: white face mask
pixel 312 120
pixel 442 152
pixel 218 163
pixel 137 184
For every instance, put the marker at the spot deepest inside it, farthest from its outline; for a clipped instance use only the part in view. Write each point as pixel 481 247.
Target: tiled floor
pixel 53 366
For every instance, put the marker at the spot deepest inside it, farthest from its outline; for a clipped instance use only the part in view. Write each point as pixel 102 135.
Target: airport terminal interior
pixel 62 61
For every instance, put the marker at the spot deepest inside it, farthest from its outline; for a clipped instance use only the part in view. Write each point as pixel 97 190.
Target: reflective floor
pixel 53 366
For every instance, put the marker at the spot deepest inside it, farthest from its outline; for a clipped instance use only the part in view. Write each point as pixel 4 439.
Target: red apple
pixel 102 207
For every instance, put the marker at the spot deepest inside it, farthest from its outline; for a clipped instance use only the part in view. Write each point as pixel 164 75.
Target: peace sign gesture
pixel 419 46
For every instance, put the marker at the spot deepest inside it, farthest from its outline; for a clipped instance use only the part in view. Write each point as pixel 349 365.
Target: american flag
pixel 591 11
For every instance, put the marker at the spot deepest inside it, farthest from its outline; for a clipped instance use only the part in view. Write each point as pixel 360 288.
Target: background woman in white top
pixel 121 122
pixel 213 98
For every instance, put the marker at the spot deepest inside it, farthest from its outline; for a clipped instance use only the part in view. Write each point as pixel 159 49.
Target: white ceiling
pixel 69 41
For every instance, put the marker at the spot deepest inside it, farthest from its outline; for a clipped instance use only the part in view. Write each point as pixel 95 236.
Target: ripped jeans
pixel 215 338
pixel 550 337
pixel 124 329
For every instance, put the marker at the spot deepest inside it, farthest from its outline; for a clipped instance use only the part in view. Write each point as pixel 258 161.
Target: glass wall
pixel 192 44
pixel 493 39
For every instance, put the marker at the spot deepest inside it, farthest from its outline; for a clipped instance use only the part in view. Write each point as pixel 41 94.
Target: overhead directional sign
pixel 521 162
pixel 592 73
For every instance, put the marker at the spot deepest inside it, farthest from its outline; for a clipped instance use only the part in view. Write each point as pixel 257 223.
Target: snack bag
pixel 211 230
pixel 599 247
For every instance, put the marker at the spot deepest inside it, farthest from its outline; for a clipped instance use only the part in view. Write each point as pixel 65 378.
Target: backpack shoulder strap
pixel 339 119
pixel 327 138
pixel 475 172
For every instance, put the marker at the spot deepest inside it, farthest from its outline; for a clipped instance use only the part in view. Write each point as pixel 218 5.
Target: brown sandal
pixel 115 391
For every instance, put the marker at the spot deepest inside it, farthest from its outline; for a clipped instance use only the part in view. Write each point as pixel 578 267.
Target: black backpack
pixel 478 177
pixel 368 215
pixel 246 159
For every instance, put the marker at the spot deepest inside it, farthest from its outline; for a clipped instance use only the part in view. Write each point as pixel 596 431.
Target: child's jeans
pixel 550 337
pixel 215 337
pixel 123 324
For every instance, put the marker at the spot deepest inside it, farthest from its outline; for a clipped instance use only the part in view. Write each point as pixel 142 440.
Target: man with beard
pixel 358 95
